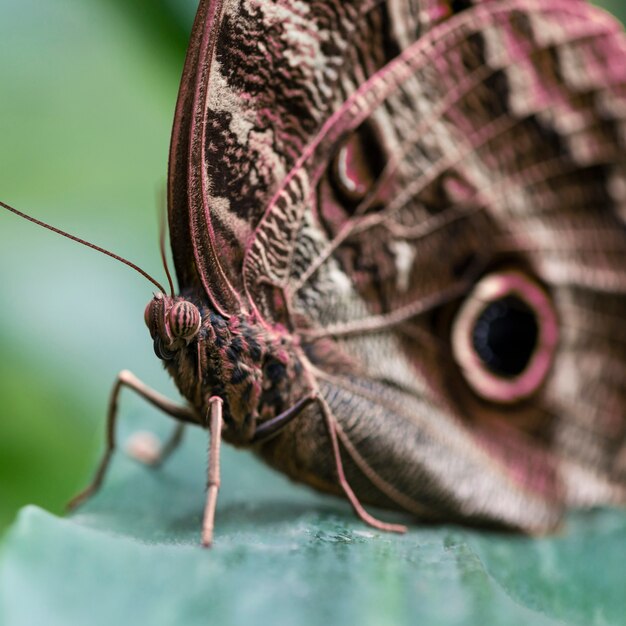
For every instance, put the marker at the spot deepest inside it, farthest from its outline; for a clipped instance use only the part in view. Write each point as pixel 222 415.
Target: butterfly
pixel 398 229
pixel 413 213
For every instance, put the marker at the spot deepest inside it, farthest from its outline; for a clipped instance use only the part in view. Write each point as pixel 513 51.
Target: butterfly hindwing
pixel 349 172
pixel 502 131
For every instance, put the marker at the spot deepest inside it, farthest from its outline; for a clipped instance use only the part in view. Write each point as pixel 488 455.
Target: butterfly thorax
pixel 253 367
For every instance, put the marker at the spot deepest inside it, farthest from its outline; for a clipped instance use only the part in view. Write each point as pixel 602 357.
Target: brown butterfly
pixel 398 231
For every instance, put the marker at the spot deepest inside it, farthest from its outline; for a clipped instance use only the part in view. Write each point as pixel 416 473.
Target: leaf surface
pixel 284 555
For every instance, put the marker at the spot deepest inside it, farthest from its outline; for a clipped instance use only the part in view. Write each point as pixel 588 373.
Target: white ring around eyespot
pixel 485 383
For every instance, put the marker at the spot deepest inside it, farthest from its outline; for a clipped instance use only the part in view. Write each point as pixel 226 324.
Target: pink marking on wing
pixel 371 93
pixel 439 12
pixel 282 356
pixel 529 465
pixel 477 139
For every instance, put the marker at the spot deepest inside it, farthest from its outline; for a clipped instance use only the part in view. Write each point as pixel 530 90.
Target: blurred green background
pixel 87 97
pixel 88 90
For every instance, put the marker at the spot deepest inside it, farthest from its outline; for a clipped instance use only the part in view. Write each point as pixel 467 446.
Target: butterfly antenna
pixel 162 230
pixel 58 231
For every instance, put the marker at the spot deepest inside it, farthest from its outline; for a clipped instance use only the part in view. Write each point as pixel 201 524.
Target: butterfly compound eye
pixel 184 320
pixel 504 337
pixel 147 315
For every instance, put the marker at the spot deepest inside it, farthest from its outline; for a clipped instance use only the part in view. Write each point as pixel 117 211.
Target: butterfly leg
pixel 343 482
pixel 146 448
pixel 213 482
pixel 128 379
pixel 170 445
pixel 271 427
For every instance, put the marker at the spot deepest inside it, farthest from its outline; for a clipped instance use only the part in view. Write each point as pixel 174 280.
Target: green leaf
pixel 284 555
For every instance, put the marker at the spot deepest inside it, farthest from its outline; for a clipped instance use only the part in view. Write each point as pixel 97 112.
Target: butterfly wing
pixel 259 81
pixel 502 132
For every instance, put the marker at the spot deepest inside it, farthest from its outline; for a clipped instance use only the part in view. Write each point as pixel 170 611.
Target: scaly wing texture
pixel 259 81
pixel 497 132
pixel 503 130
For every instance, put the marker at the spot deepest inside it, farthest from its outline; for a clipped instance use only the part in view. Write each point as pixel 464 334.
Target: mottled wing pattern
pixel 503 135
pixel 260 80
pixel 493 132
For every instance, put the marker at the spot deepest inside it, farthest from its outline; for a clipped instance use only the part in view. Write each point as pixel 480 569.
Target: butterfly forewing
pixel 249 104
pixel 178 185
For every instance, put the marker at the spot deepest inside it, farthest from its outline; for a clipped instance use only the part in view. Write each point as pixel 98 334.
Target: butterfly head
pixel 173 324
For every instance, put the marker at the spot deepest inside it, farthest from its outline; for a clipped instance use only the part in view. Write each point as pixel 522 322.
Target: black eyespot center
pixel 505 336
pixel 460 5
